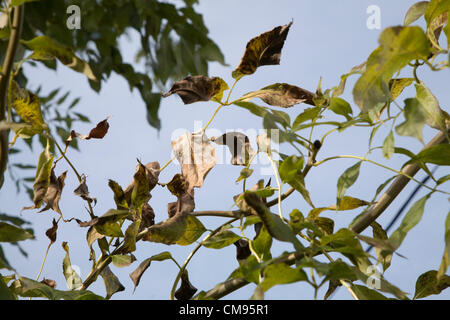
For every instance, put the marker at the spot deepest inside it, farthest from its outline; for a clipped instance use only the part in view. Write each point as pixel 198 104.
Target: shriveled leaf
pixel 139 189
pixel 45 48
pixel 198 88
pixel 112 283
pixel 186 290
pixel 428 284
pixel 51 233
pixel 398 46
pixel 262 50
pixel 281 273
pixel 415 12
pixel 53 194
pixel 100 130
pixel 73 279
pixel 239 146
pixel 346 180
pixel 182 229
pixel 197 157
pixel 11 233
pixel 281 95
pixel 275 226
pixel 143 266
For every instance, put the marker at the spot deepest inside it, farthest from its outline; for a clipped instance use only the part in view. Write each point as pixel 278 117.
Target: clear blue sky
pixel 326 40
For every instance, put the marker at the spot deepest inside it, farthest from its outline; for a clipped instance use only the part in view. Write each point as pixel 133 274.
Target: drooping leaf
pixel 281 95
pixel 359 69
pixel 239 146
pixel 198 88
pixel 112 283
pixel 428 284
pixel 415 120
pixel 143 266
pixel 119 195
pixel 415 12
pixel 11 233
pixel 73 279
pixel 51 233
pixel 54 190
pixel 196 155
pixel 186 289
pixel 410 220
pixel 129 244
pixel 379 233
pixel 346 180
pixel 281 273
pixel 398 46
pixel 45 48
pixel 275 226
pixel 262 50
pixel 122 260
pixel 429 103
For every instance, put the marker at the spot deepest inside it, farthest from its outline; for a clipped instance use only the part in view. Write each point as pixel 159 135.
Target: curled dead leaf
pixel 51 233
pixel 83 191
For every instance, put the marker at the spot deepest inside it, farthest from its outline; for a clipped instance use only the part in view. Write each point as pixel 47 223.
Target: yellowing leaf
pixel 262 50
pixel 415 12
pixel 198 88
pixel 45 48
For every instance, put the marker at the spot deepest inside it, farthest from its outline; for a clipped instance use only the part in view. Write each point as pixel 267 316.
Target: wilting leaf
pixel 129 244
pixel 96 133
pixel 119 195
pixel 415 12
pixel 51 233
pixel 262 50
pixel 347 203
pixel 281 273
pixel 51 283
pixel 398 46
pixel 436 16
pixel 429 104
pixel 275 226
pixel 186 289
pixel 182 229
pixel 281 95
pixel 140 186
pixel 198 88
pixel 11 233
pixel 112 283
pixel 73 279
pixel 83 191
pixel 428 284
pixel 196 155
pixel 137 274
pixel 359 69
pixel 44 48
pixel 346 180
pixel 221 239
pixel 383 256
pixel 291 172
pixel 107 224
pixel 178 185
pixel 31 288
pixel 415 118
pixel 122 260
pixel 396 86
pixel 239 146
pixel 53 194
pixel 410 220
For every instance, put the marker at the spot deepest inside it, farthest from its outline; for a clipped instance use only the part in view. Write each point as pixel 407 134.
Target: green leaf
pixel 436 16
pixel 121 260
pixel 340 106
pixel 143 266
pixel 141 187
pixel 259 111
pixel 346 180
pixel 112 283
pixel 198 88
pixel 73 279
pixel 428 284
pixel 275 226
pixel 281 273
pixel 19 2
pixel 221 239
pixel 335 270
pixel 438 154
pixel 11 233
pixel 129 244
pixel 398 46
pixel 389 145
pixel 445 258
pixel 429 103
pixel 31 288
pixel 5 293
pixel 119 195
pixel 262 244
pixel 380 234
pixel 415 12
pixel 307 114
pixel 364 293
pixel 410 220
pixel 45 48
pixel 281 95
pixel 182 229
pixel 13 219
pixel 262 50
pixel 290 172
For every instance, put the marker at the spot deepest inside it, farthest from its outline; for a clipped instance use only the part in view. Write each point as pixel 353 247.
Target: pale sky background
pixel 326 40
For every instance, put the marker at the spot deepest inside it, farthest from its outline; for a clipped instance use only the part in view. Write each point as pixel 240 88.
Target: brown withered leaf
pixel 198 88
pixel 53 194
pixel 83 191
pixel 148 216
pixel 186 289
pixel 179 187
pixel 239 146
pixel 196 155
pixel 49 282
pixel 281 95
pixel 51 233
pixel 98 132
pixel 262 50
